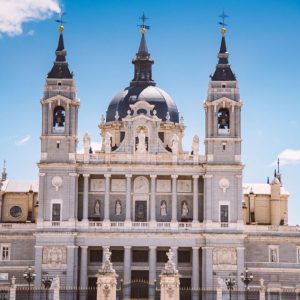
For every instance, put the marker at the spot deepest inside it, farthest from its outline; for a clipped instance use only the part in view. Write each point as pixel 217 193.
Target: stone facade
pixel 143 194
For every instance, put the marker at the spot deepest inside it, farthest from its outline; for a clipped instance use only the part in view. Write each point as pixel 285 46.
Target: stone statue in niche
pixel 97 209
pixel 163 208
pixel 184 209
pixel 273 255
pixel 107 142
pixel 118 209
pixel 141 147
pixel 175 144
pixel 86 143
pixel 195 146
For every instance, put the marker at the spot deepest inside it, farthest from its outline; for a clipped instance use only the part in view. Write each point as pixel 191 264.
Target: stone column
pixel 195 199
pixel 153 199
pixel 207 268
pixel 38 266
pixel 84 271
pixel 41 215
pixel 262 290
pixel 106 199
pixel 195 274
pixel 240 266
pixel 73 197
pixel 85 204
pixel 55 287
pixel 128 198
pixel 207 205
pixel 240 199
pixel 71 266
pixel 152 271
pixel 174 198
pixel 127 273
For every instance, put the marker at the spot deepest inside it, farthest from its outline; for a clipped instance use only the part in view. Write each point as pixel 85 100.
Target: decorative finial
pixel 143 27
pixel 223 16
pixel 4 173
pixel 278 165
pixel 60 20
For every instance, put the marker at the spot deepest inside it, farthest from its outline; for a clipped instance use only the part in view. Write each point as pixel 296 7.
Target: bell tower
pixel 59 110
pixel 223 197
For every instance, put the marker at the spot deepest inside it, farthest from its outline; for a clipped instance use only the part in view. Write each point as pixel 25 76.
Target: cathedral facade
pixel 142 193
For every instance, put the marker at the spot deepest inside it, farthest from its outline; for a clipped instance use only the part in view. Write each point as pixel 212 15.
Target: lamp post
pixel 29 276
pixel 230 283
pixel 46 281
pixel 246 278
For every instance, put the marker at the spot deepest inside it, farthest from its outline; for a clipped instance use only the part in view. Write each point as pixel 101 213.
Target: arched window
pixel 59 118
pixel 223 119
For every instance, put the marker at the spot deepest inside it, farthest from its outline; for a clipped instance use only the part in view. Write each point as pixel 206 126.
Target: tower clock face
pixel 16 211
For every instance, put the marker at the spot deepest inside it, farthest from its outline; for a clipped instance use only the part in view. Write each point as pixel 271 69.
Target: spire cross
pixel 60 18
pixel 223 16
pixel 278 165
pixel 143 26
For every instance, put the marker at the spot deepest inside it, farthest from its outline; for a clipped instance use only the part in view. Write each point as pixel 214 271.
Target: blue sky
pixel 102 37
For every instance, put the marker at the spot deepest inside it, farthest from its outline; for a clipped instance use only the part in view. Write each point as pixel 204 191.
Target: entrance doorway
pixel 140 211
pixel 139 285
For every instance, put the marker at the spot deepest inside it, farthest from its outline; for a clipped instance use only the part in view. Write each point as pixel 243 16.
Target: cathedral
pixel 143 194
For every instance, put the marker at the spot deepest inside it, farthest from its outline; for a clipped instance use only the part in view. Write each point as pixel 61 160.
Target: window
pixel 56 209
pixel 223 122
pixel 16 211
pixel 96 255
pixel 224 213
pixel 117 255
pixel 59 118
pixel 273 254
pixel 139 256
pixel 161 256
pixel 184 256
pixel 5 252
pixel 274 296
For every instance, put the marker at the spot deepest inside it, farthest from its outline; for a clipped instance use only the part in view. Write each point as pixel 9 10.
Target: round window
pixel 16 211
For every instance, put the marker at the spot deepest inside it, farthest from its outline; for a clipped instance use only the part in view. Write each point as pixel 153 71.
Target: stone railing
pixel 17 227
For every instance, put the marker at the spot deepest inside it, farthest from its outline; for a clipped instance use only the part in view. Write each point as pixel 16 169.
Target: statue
pixel 273 255
pixel 175 144
pixel 184 209
pixel 163 208
pixel 107 142
pixel 141 147
pixel 97 208
pixel 195 145
pixel 118 209
pixel 86 143
pixel 285 218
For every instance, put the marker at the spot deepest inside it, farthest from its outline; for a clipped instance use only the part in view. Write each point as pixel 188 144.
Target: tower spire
pixel 4 173
pixel 143 62
pixel 60 69
pixel 223 70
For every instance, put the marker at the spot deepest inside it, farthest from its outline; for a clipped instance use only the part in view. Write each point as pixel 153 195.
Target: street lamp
pixel 46 281
pixel 230 283
pixel 29 276
pixel 246 278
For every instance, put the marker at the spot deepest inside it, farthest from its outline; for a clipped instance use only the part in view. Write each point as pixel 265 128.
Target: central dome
pixel 142 87
pixel 162 102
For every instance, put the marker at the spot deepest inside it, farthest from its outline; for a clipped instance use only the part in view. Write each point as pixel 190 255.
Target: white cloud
pixel 95 146
pixel 289 156
pixel 14 13
pixel 23 141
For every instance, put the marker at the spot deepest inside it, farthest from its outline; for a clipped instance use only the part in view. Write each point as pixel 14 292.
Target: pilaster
pixel 85 203
pixel 174 198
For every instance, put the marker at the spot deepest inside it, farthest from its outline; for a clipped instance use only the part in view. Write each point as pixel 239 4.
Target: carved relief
pixel 118 185
pixel 224 256
pixel 163 186
pixel 224 184
pixel 57 182
pixel 97 185
pixel 184 186
pixel 141 185
pixel 54 256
